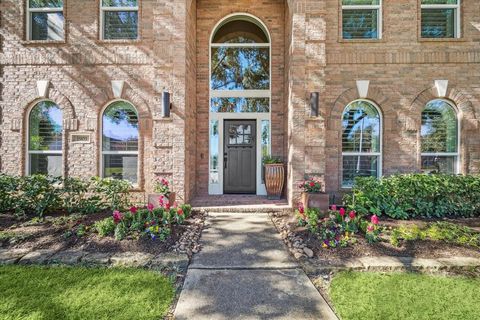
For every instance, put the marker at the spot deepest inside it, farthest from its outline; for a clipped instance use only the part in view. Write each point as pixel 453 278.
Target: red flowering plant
pixel 335 230
pixel 154 223
pixel 372 229
pixel 311 185
pixel 162 186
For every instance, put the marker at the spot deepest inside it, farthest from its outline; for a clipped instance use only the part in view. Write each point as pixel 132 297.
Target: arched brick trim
pixel 374 94
pixel 467 119
pixel 129 95
pixel 458 98
pixel 31 98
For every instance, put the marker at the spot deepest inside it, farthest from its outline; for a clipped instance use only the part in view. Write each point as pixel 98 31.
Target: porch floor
pixel 239 203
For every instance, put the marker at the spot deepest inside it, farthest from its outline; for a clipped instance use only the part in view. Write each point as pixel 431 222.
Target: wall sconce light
pixel 314 96
pixel 166 104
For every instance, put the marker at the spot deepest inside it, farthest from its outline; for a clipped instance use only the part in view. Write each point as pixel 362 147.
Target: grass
pixel 30 293
pixel 405 296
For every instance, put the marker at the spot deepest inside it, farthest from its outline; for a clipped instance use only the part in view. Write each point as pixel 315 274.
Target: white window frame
pixel 377 154
pixel 126 153
pixel 217 189
pixel 459 139
pixel 377 7
pixel 44 10
pixel 104 9
pixel 44 152
pixel 458 16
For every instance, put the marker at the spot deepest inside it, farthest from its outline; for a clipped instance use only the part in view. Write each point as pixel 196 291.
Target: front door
pixel 239 158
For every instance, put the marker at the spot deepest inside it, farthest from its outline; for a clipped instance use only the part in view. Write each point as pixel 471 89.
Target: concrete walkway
pixel 245 272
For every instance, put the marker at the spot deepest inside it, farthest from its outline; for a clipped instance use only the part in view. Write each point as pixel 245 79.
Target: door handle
pixel 225 159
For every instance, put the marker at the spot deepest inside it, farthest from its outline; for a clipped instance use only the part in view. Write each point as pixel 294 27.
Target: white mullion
pixel 439 6
pixel 44 152
pixel 120 8
pixel 120 152
pixel 240 93
pixel 240 45
pixel 366 154
pixel 361 7
pixel 439 154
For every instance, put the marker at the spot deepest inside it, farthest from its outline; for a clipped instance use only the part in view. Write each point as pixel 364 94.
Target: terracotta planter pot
pixel 319 201
pixel 154 199
pixel 274 180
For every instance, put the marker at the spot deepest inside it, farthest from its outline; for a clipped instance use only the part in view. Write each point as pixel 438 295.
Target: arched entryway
pixel 239 105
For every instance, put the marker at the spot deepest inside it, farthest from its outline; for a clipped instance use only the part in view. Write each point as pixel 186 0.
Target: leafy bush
pixel 416 195
pixel 115 192
pixel 105 227
pixel 8 192
pixel 39 194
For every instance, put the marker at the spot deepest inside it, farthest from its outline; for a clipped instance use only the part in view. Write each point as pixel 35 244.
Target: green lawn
pixel 82 293
pixel 405 296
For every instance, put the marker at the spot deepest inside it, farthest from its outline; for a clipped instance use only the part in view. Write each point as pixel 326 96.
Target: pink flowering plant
pixel 337 229
pixel 311 185
pixel 149 222
pixel 372 229
pixel 162 186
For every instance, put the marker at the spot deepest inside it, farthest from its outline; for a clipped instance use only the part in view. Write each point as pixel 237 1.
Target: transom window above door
pixel 440 19
pixel 361 19
pixel 240 66
pixel 119 19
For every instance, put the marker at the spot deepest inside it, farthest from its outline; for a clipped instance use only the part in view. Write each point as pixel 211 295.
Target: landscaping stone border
pixel 163 261
pixel 388 264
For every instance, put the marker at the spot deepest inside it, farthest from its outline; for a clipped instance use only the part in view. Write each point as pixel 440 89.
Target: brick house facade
pixel 399 73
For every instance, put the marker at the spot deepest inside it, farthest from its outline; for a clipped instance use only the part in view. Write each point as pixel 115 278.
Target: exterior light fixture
pixel 166 104
pixel 314 96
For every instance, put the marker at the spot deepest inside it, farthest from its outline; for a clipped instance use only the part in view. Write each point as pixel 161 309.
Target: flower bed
pixel 42 212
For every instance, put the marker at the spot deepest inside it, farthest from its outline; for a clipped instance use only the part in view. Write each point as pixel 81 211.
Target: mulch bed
pixel 50 235
pixel 418 248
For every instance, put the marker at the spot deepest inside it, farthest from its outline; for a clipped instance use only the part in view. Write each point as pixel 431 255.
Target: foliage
pixel 83 293
pixel 148 222
pixel 115 192
pixel 75 197
pixel 162 186
pixel 105 227
pixel 406 296
pixel 271 160
pixel 438 231
pixel 416 195
pixel 39 194
pixel 371 229
pixel 311 185
pixel 336 230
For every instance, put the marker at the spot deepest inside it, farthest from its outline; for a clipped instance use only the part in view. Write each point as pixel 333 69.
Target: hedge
pixel 416 195
pixel 40 194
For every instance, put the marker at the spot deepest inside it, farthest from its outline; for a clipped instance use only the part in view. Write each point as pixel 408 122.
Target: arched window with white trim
pixel 361 142
pixel 120 137
pixel 45 139
pixel 440 138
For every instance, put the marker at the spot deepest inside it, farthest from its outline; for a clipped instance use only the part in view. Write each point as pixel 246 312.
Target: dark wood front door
pixel 239 158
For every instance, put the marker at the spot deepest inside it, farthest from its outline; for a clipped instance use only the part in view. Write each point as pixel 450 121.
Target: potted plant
pixel 313 196
pixel 162 193
pixel 274 176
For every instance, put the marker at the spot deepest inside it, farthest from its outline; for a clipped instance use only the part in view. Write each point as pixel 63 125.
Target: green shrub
pixel 8 192
pixel 115 192
pixel 416 195
pixel 105 227
pixel 38 194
